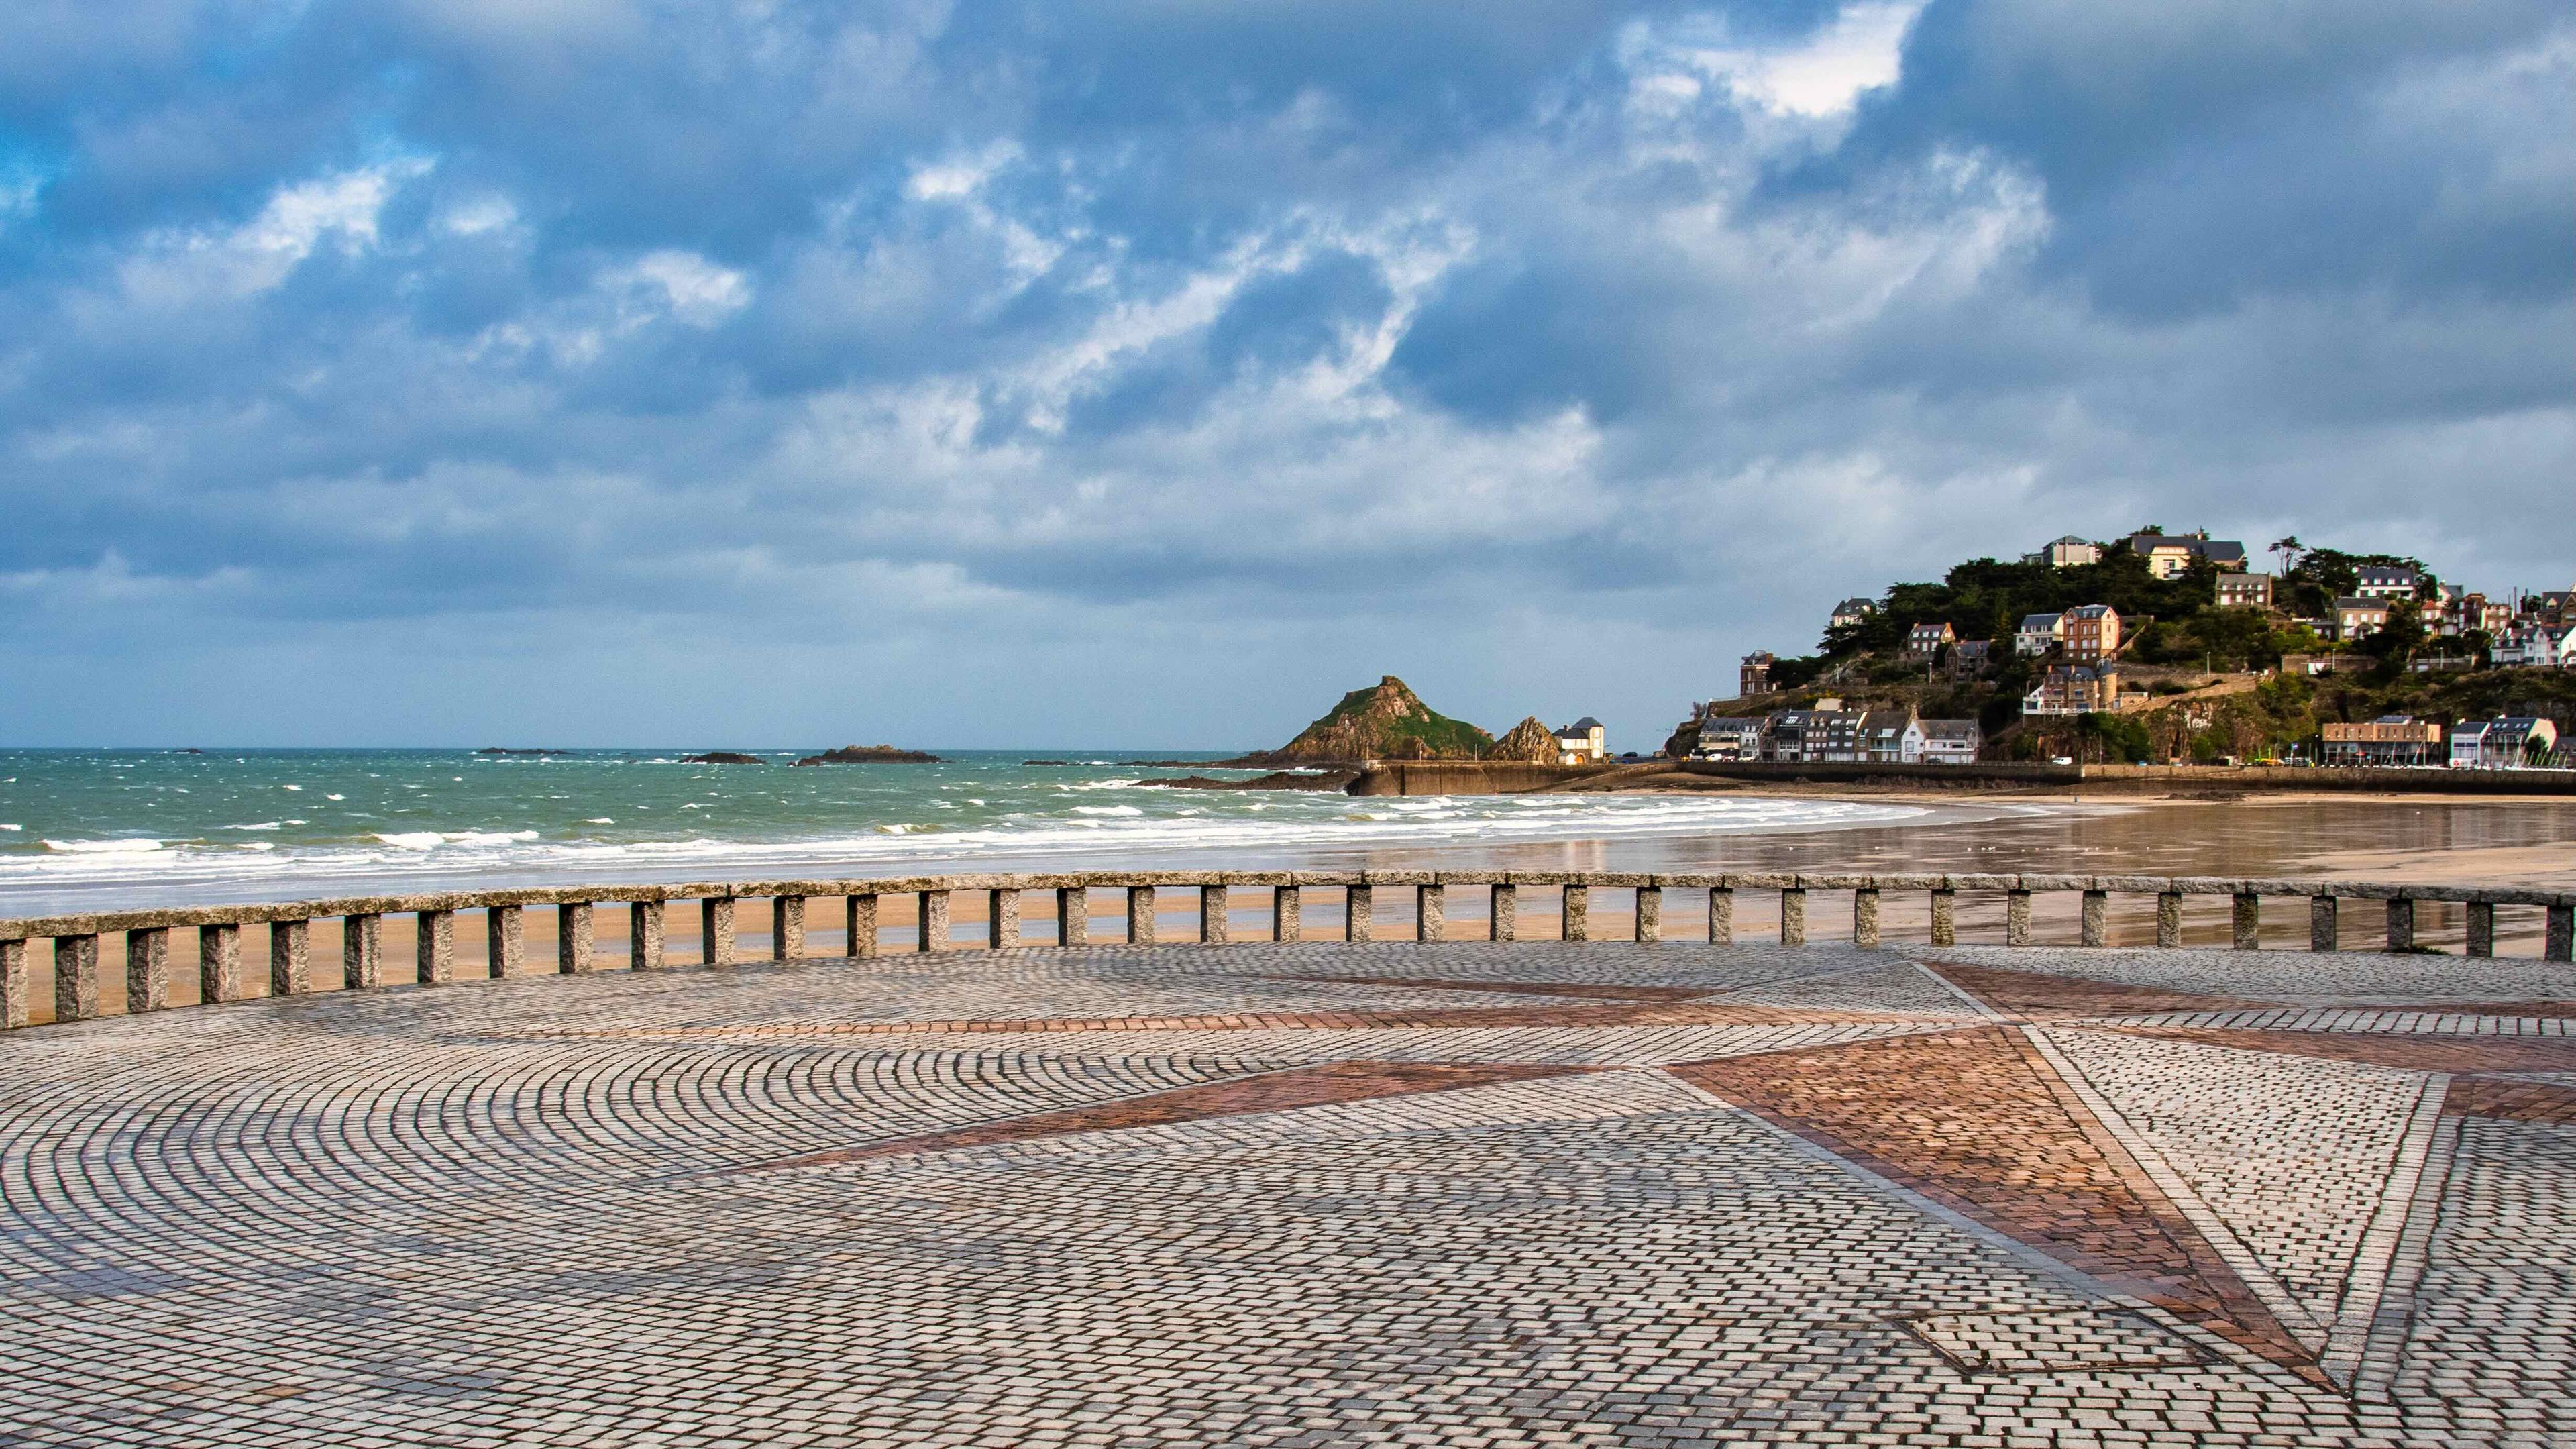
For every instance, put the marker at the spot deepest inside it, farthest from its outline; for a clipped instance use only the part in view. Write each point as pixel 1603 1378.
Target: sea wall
pixel 1475 777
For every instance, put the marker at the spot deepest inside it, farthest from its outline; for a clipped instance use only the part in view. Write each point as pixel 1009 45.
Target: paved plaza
pixel 1544 1193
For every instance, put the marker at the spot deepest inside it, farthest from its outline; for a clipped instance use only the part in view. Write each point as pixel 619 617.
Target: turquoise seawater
pixel 85 829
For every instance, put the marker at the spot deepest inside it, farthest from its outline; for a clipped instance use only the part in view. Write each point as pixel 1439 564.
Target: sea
pixel 111 829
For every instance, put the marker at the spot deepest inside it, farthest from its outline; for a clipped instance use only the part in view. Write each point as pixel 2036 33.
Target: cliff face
pixel 1388 722
pixel 1529 742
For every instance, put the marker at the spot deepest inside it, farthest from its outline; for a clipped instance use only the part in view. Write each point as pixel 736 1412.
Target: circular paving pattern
pixel 1464 1193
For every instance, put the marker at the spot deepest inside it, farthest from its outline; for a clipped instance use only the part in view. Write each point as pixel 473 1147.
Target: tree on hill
pixel 2310 586
pixel 1987 599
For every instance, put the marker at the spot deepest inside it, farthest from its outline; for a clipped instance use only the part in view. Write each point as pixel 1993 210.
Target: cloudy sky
pixel 753 371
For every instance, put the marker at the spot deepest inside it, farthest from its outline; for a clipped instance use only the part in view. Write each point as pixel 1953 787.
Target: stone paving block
pixel 1506 1193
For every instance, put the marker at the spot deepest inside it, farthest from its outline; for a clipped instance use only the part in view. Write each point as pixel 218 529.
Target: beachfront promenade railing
pixel 221 978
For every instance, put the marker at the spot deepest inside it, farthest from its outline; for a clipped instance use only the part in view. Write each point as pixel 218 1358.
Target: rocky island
pixel 870 755
pixel 722 757
pixel 1387 721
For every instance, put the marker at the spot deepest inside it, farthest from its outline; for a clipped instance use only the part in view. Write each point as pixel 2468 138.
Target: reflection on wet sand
pixel 2443 841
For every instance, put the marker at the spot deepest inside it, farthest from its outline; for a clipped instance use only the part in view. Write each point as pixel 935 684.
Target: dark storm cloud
pixel 1026 332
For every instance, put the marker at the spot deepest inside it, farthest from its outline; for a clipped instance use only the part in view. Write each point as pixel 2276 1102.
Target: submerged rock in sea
pixel 1327 780
pixel 870 755
pixel 722 757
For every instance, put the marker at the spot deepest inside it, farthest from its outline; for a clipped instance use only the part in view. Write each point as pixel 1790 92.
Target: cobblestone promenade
pixel 1322 1194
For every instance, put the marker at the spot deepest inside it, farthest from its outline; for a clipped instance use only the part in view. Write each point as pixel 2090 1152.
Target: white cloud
pixel 175 268
pixel 692 289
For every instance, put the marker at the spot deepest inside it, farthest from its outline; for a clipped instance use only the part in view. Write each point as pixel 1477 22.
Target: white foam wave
pixel 1217 827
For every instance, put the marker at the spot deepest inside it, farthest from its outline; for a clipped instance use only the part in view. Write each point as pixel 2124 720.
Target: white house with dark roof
pixel 1942 742
pixel 1583 742
pixel 2038 633
pixel 1853 611
pixel 2386 581
pixel 2500 744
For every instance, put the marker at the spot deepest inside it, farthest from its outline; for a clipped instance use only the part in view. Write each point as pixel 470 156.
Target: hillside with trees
pixel 2202 666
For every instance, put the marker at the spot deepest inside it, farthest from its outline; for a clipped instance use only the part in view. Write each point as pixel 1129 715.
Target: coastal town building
pixel 1583 742
pixel 2091 633
pixel 1828 733
pixel 2358 618
pixel 2038 633
pixel 2535 645
pixel 1942 742
pixel 1924 641
pixel 2244 591
pixel 1882 735
pixel 2067 552
pixel 1722 738
pixel 2501 744
pixel 1853 611
pixel 2386 581
pixel 2075 689
pixel 1755 675
pixel 1971 658
pixel 2473 613
pixel 2170 555
pixel 2390 740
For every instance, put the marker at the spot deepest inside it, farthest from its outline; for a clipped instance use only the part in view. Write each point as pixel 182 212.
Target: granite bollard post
pixel 933 918
pixel 576 938
pixel 1287 922
pixel 1793 916
pixel 1140 915
pixel 2169 918
pixel 2560 942
pixel 434 950
pixel 1502 912
pixel 290 958
pixel 1212 919
pixel 2323 927
pixel 644 936
pixel 1650 913
pixel 1431 912
pixel 862 924
pixel 1721 915
pixel 13 984
pixel 75 978
pixel 2481 928
pixel 715 931
pixel 506 939
pixel 1945 917
pixel 2016 917
pixel 1001 918
pixel 2245 923
pixel 1575 918
pixel 362 950
pixel 1072 915
pixel 787 928
pixel 2401 923
pixel 2096 929
pixel 147 970
pixel 1865 918
pixel 1359 913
